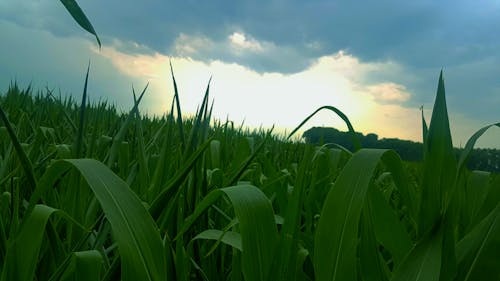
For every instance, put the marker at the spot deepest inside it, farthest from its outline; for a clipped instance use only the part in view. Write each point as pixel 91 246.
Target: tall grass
pixel 89 193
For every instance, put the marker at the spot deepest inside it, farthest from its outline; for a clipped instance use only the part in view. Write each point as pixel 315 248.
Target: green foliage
pixel 198 199
pixel 79 16
pixel 485 159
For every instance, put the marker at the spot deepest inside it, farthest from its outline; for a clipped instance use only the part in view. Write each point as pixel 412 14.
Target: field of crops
pixel 88 193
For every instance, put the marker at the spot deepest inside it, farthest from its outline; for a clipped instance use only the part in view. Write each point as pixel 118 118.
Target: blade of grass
pixel 470 146
pixel 117 139
pixel 25 161
pixel 173 186
pixel 179 112
pixel 81 126
pixel 79 16
pixel 143 163
pixel 355 139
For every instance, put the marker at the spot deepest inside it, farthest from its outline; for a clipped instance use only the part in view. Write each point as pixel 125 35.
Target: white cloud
pixel 187 45
pixel 239 41
pixel 389 92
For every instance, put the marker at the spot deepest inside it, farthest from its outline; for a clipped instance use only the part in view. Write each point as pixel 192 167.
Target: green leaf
pixel 470 145
pixel 355 139
pixel 439 165
pixel 137 236
pixel 230 238
pixel 372 267
pixel 81 127
pixel 425 129
pixel 22 252
pixel 336 238
pixel 79 16
pixel 390 232
pixel 477 252
pixel 84 265
pixel 423 263
pixel 257 228
pixel 179 112
pixel 259 235
pixel 143 163
pixel 118 138
pixel 173 186
pixel 476 190
pixel 25 161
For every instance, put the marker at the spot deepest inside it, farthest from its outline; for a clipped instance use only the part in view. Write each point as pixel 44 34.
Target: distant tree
pixel 480 159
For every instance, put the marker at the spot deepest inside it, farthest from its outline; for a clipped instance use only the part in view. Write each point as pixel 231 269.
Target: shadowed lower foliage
pixel 199 199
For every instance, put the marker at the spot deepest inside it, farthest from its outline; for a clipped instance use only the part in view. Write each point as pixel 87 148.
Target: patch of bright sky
pixel 283 100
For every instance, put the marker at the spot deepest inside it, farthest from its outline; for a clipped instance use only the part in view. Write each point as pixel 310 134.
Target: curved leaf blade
pixel 137 236
pixel 336 238
pixel 79 16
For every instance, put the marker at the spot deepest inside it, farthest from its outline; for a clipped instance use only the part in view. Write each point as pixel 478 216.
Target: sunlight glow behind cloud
pixel 264 99
pixel 378 96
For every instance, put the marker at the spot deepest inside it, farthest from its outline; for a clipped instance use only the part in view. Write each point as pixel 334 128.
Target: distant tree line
pixel 480 159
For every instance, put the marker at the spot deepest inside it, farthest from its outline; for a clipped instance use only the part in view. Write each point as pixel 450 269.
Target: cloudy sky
pixel 272 62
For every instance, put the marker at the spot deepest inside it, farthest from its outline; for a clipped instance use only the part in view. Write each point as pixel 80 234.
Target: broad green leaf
pixel 137 236
pixel 477 252
pixel 372 267
pixel 491 201
pixel 388 229
pixel 22 250
pixel 257 226
pixel 476 190
pixel 230 238
pixel 423 263
pixel 84 265
pixel 336 238
pixel 79 16
pixel 439 165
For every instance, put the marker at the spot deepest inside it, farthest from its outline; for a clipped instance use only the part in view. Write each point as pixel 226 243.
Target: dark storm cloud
pixel 418 33
pixel 46 61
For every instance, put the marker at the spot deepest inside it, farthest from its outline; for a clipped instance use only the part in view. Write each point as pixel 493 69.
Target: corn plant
pixel 90 193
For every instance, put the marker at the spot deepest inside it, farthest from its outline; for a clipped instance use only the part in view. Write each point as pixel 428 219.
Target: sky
pixel 272 62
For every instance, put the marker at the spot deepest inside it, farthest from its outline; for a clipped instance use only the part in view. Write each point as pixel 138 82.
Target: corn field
pixel 89 193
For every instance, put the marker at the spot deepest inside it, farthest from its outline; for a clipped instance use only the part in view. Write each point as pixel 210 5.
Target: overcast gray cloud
pixel 418 38
pixel 419 33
